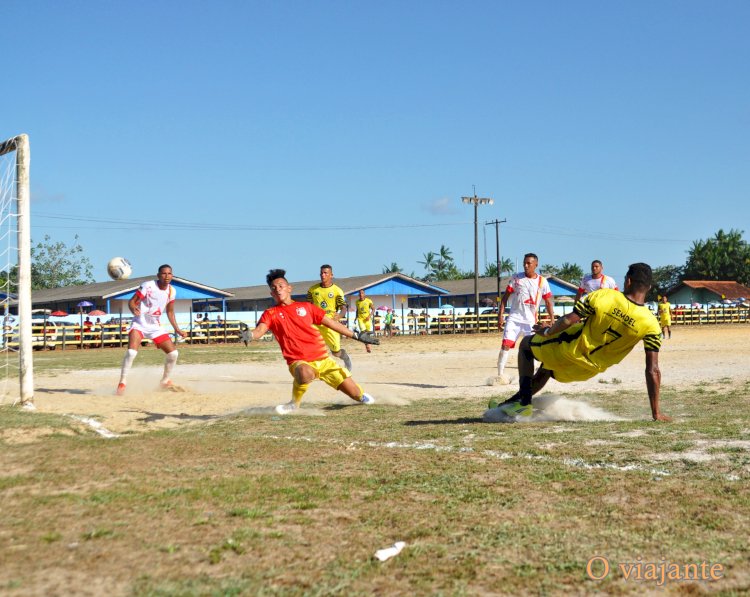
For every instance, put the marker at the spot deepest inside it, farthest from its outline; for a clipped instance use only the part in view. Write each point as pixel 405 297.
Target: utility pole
pixel 476 201
pixel 497 223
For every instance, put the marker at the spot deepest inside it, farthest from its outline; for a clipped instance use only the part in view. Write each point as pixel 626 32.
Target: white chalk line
pixel 95 425
pixel 572 462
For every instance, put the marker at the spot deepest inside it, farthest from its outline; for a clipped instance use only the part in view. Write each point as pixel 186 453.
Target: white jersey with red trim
pixel 589 283
pixel 154 302
pixel 527 295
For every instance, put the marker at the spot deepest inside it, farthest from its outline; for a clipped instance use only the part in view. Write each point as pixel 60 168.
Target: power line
pixel 99 223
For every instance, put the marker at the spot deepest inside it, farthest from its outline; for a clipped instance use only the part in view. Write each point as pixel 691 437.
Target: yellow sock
pixel 298 390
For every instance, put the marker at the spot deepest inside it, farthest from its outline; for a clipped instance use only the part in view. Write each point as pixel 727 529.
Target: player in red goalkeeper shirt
pixel 293 325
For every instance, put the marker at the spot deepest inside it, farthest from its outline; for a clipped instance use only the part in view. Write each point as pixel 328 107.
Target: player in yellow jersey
pixel 601 331
pixel 330 298
pixel 365 312
pixel 665 317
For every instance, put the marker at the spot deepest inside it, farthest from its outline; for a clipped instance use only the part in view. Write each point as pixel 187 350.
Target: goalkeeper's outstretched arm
pixel 258 332
pixel 366 337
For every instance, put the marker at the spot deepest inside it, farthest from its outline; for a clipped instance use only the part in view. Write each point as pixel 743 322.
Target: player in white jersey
pixel 596 280
pixel 149 302
pixel 528 289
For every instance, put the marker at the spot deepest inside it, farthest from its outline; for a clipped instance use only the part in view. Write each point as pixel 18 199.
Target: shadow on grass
pixel 408 385
pixel 461 421
pixel 152 417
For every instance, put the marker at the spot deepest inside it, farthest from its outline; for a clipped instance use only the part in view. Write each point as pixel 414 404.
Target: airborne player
pixel 601 331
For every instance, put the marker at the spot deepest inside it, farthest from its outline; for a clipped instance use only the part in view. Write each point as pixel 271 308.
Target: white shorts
pixel 150 332
pixel 515 330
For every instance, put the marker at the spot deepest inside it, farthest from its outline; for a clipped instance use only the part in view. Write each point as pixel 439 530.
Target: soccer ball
pixel 119 268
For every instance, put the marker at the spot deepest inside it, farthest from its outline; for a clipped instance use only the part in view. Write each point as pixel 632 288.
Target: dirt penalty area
pixel 398 372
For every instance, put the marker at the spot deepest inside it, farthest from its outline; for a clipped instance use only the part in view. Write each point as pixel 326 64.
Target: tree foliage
pixel 441 266
pixel 55 264
pixel 570 272
pixel 665 277
pixel 506 267
pixel 726 256
pixel 393 268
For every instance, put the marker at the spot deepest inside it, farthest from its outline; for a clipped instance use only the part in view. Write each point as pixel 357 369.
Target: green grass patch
pixel 268 505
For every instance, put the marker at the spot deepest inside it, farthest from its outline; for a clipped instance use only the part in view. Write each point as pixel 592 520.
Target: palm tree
pixel 506 267
pixel 429 265
pixel 393 268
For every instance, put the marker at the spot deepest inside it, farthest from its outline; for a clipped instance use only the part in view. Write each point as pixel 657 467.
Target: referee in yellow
pixel 600 332
pixel 330 298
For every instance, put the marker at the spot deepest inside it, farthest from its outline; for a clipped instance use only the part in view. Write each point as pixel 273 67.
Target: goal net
pixel 15 274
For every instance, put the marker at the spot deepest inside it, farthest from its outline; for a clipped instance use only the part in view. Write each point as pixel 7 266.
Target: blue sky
pixel 230 137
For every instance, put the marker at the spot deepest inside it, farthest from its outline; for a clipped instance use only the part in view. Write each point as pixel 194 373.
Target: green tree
pixel 726 256
pixel 393 268
pixel 665 277
pixel 570 272
pixel 55 264
pixel 429 265
pixel 506 267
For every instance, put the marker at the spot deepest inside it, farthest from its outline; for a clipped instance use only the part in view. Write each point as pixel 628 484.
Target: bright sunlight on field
pixel 209 492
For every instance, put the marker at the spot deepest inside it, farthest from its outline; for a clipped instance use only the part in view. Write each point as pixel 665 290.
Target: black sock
pixel 525 392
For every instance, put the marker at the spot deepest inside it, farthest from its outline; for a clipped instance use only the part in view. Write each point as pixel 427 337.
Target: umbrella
pixel 58 313
pixel 446 307
pixel 85 304
pixel 382 308
pixel 97 312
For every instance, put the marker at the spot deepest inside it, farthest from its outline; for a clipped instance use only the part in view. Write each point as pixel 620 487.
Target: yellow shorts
pixel 326 370
pixel 561 359
pixel 365 325
pixel 333 339
pixel 665 321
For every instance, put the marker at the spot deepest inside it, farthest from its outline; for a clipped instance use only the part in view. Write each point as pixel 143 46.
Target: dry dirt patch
pixel 399 371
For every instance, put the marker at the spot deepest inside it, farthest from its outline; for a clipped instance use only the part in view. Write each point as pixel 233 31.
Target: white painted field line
pixel 95 425
pixel 573 462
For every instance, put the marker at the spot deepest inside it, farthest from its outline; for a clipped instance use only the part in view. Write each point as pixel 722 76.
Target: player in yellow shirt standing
pixel 330 298
pixel 600 332
pixel 665 317
pixel 365 312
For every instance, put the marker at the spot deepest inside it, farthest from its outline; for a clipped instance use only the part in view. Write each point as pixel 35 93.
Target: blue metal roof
pixel 399 286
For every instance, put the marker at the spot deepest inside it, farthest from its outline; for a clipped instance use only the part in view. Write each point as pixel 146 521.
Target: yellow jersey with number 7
pixel 610 327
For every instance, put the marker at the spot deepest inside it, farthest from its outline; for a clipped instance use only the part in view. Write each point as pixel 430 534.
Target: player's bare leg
pixel 352 389
pixel 530 383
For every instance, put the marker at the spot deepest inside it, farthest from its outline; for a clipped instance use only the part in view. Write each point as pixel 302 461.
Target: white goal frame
pixel 20 145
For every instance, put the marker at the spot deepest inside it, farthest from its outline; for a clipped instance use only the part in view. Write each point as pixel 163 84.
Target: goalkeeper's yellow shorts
pixel 326 370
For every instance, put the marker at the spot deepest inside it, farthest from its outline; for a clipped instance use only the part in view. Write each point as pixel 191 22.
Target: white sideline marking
pixel 95 425
pixel 573 462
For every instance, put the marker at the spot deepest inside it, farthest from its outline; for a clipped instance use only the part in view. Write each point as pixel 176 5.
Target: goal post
pixel 18 196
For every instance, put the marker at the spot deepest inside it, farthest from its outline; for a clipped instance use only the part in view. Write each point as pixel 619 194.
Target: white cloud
pixel 441 206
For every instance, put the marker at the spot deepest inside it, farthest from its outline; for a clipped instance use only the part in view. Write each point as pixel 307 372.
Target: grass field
pixel 268 505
